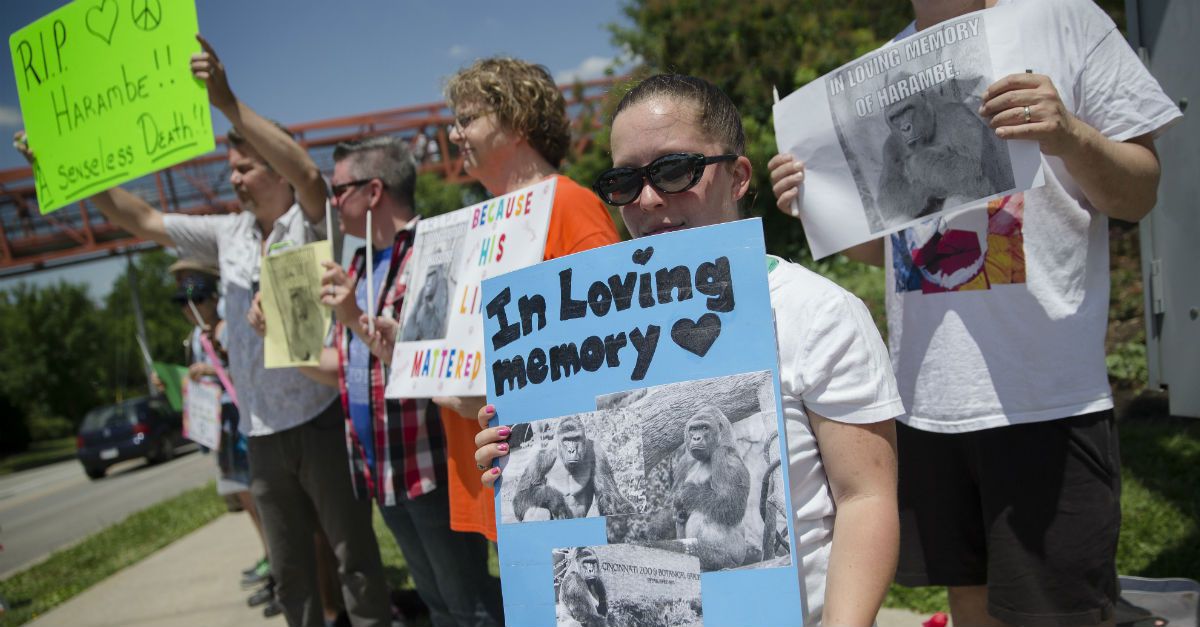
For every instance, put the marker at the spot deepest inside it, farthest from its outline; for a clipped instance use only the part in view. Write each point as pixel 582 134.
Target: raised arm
pixel 278 149
pixel 122 208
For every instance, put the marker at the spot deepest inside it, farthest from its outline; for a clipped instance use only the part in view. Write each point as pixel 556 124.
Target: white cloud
pixel 589 69
pixel 10 117
pixel 458 51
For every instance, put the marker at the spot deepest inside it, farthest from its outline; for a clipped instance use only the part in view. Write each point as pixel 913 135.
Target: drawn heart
pixel 696 337
pixel 101 21
pixel 641 256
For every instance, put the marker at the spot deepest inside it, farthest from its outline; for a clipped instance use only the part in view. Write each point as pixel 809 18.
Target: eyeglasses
pixel 340 188
pixel 462 121
pixel 669 174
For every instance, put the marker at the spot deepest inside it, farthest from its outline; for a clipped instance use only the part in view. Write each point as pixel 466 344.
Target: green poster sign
pixel 172 378
pixel 107 94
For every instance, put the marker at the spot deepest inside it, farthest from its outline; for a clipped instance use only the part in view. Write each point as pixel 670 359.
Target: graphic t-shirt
pixel 578 222
pixel 358 373
pixel 832 362
pixel 997 314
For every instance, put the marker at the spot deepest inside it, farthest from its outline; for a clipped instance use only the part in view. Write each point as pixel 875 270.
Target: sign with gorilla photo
pixel 895 136
pixel 626 584
pixel 439 351
pixel 641 383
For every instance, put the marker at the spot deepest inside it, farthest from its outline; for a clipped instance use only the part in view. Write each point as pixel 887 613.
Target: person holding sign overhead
pixel 678 147
pixel 512 128
pixel 1009 466
pixel 299 468
pixel 396 447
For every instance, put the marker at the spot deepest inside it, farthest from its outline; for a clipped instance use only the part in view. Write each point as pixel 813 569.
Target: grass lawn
pixel 68 572
pixel 1160 507
pixel 39 454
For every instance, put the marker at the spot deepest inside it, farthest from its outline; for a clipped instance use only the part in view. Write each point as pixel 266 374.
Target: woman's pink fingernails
pixel 503 432
pixel 502 446
pixel 494 471
pixel 489 409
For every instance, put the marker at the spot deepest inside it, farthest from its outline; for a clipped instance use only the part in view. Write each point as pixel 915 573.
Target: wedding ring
pixel 1028 116
pixel 482 467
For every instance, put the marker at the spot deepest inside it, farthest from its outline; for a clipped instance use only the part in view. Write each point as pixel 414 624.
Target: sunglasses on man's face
pixel 197 299
pixel 669 174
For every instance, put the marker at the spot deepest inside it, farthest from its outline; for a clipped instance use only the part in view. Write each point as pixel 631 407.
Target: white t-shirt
pixel 833 362
pixel 1002 318
pixel 270 400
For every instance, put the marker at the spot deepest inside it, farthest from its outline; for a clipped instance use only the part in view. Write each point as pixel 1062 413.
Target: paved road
pixel 52 507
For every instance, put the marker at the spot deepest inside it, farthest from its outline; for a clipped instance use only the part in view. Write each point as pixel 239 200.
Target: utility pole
pixel 140 321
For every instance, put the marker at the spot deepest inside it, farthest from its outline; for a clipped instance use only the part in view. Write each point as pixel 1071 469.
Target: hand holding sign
pixel 1027 106
pixel 206 66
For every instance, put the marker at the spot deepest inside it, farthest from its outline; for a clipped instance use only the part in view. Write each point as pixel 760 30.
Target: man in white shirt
pixel 299 469
pixel 1009 468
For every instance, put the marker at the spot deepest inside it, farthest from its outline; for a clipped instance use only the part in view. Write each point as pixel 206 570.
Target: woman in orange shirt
pixel 512 128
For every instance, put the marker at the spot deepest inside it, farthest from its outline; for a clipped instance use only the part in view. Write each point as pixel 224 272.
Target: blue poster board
pixel 647 479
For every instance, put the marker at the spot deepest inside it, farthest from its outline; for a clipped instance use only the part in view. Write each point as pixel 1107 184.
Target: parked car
pixel 138 427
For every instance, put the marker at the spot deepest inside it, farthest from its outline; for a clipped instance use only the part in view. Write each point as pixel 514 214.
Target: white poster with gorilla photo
pixel 681 322
pixel 580 466
pixel 895 136
pixel 626 585
pixel 713 473
pixel 439 347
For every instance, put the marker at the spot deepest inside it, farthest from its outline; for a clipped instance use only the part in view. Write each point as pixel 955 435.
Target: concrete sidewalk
pixel 195 583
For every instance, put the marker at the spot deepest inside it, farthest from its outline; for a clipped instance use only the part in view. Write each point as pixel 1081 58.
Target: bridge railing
pixel 30 241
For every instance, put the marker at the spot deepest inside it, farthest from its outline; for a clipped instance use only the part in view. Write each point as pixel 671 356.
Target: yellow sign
pixel 297 322
pixel 107 94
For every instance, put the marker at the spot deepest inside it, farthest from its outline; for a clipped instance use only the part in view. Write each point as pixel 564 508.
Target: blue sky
pixel 304 60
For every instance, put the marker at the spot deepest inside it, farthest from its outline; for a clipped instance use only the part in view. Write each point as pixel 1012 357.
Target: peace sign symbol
pixel 146 14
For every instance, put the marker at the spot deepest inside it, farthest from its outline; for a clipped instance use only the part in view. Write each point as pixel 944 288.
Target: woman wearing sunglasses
pixel 678 144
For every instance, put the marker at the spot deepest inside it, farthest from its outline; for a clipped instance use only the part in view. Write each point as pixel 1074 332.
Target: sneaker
pixel 272 609
pixel 257 565
pixel 260 574
pixel 264 594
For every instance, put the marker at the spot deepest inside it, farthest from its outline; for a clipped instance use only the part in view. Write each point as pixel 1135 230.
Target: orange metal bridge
pixel 30 241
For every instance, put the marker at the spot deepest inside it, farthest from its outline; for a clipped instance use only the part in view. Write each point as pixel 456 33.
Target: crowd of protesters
pixel 976 451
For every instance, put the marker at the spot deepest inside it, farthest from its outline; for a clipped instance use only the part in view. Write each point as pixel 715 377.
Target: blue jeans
pixel 449 568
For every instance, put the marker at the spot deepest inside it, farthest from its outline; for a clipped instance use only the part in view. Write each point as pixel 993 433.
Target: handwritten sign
pixel 895 136
pixel 202 413
pixel 107 94
pixel 440 348
pixel 606 364
pixel 290 282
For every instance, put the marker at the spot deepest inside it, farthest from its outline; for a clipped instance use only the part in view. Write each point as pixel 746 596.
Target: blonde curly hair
pixel 524 98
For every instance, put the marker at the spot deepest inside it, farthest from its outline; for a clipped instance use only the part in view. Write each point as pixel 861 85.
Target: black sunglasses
pixel 340 188
pixel 669 174
pixel 196 299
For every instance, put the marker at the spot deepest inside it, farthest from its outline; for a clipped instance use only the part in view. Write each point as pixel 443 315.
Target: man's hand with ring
pixel 1027 106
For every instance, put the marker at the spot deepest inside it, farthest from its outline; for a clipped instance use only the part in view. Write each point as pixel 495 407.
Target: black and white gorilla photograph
pixel 296 286
pixel 578 466
pixel 922 147
pixel 431 279
pixel 626 586
pixel 711 454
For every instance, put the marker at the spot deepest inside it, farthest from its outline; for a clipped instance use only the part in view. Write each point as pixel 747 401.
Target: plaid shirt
pixel 410 447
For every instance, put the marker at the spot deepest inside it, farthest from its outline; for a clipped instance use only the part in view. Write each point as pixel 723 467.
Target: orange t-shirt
pixel 579 222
